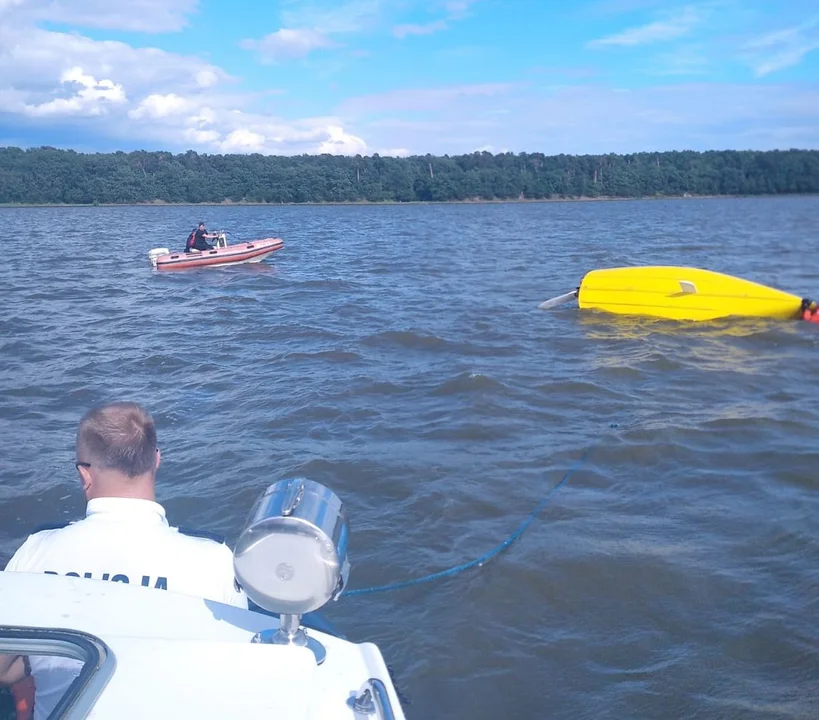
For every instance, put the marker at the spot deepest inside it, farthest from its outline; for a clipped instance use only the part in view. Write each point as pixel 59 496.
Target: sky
pixel 409 77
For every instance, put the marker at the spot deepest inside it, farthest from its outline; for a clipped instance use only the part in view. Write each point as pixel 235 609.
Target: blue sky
pixel 405 77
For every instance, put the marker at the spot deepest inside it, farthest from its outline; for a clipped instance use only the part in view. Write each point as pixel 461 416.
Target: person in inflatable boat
pixel 810 311
pixel 197 241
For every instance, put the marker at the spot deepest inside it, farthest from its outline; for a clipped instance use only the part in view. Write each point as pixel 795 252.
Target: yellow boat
pixel 680 293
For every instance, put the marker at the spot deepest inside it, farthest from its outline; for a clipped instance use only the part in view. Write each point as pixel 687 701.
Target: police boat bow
pixel 155 653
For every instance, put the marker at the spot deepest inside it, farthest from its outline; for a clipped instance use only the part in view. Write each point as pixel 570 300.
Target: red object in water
pixel 23 693
pixel 811 316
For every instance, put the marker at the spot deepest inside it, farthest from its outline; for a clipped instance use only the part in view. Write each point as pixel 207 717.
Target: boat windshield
pixel 65 670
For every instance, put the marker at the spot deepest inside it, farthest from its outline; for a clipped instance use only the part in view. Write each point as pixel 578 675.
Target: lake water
pixel 397 355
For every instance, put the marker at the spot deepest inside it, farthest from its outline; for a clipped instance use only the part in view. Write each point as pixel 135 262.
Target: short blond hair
pixel 118 436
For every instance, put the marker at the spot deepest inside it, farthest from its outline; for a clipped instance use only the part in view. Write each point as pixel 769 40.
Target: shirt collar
pixel 132 508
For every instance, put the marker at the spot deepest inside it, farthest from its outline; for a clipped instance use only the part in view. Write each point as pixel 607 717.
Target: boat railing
pixel 372 699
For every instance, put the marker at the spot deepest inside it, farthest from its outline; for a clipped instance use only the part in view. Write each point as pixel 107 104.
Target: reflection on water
pixel 623 340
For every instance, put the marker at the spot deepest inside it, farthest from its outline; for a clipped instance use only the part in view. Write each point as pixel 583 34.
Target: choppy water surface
pixel 397 355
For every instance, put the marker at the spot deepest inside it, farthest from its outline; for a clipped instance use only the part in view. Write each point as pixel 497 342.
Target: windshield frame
pixel 98 661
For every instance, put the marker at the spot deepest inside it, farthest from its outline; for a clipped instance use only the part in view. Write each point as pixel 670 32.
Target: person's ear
pixel 85 478
pixel 158 459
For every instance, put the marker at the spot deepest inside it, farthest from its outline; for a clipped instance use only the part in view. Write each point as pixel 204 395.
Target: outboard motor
pixel 155 253
pixel 291 558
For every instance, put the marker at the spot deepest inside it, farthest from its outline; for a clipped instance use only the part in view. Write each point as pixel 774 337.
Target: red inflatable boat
pixel 223 254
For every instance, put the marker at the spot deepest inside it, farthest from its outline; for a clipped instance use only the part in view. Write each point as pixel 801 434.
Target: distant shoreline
pixel 40 177
pixel 470 201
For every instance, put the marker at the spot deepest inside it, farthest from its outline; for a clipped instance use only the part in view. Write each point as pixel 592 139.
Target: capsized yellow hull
pixel 682 293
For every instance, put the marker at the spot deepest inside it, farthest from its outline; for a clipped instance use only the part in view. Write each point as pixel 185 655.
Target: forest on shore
pixel 46 176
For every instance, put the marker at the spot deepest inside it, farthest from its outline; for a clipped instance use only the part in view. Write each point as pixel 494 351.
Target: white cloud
pixel 699 116
pixel 401 31
pixel 243 141
pixel 341 143
pixel 315 26
pixel 458 6
pixel 617 7
pixel 199 138
pixel 311 28
pixel 206 116
pixel 686 60
pixel 225 128
pixel 675 26
pixel 232 131
pixel 159 106
pixel 455 10
pixel 332 17
pixel 32 59
pixel 153 16
pixel 9 5
pixel 424 99
pixel 92 96
pixel 287 44
pixel 783 48
pixel 175 101
pixel 786 36
pixel 784 59
pixel 206 78
pixel 146 95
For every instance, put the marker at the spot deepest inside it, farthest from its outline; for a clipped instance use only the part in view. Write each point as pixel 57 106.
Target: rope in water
pixel 486 557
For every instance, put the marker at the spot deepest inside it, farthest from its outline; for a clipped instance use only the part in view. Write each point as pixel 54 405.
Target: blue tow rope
pixel 479 562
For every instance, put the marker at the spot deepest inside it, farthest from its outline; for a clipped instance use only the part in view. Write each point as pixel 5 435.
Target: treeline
pixel 50 176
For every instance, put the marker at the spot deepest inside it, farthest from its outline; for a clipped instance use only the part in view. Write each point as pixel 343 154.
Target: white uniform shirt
pixel 123 540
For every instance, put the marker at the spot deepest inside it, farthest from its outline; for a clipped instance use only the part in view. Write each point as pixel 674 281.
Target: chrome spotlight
pixel 291 558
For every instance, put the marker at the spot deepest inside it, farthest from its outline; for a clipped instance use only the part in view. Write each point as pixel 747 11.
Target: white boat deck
pixel 180 656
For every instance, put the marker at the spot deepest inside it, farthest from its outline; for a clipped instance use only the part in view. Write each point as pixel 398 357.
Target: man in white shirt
pixel 124 537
